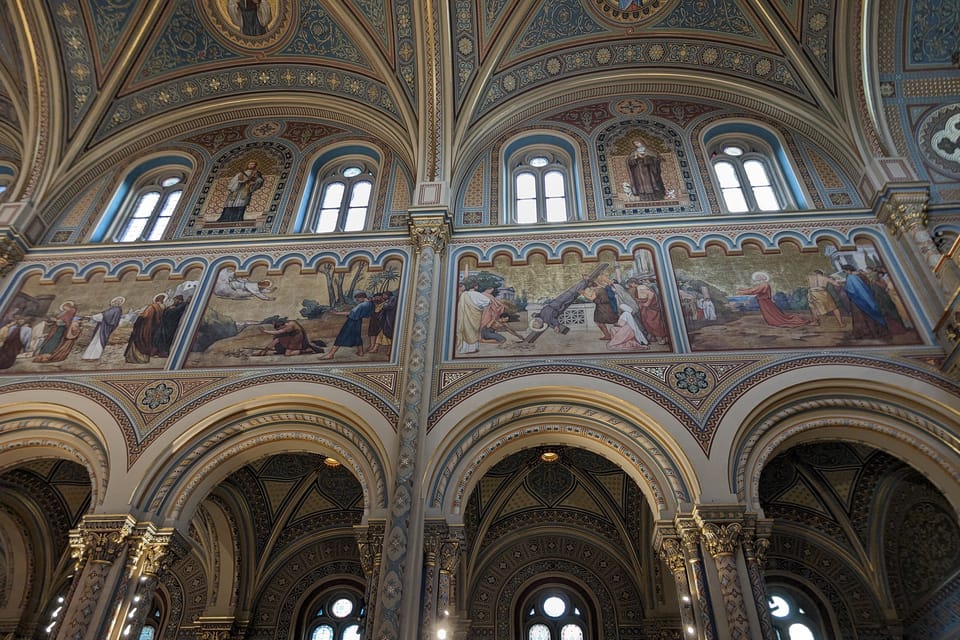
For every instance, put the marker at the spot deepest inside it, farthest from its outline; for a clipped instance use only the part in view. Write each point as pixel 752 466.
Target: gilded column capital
pixel 721 539
pixel 370 545
pixel 11 253
pixel 434 533
pixel 671 552
pixel 156 551
pixel 100 539
pixel 430 230
pixel 450 550
pixel 905 211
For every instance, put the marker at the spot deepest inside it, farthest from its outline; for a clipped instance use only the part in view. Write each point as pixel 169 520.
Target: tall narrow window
pixel 344 201
pixel 748 175
pixel 540 189
pixel 151 207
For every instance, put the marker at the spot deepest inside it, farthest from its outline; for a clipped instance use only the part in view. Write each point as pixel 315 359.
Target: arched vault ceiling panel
pixel 790 12
pixel 108 22
pixel 182 45
pixel 7 113
pixel 819 24
pixel 188 43
pixel 374 16
pixel 655 55
pixel 9 52
pixel 76 52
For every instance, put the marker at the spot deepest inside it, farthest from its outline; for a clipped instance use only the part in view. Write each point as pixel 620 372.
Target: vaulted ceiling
pixel 436 82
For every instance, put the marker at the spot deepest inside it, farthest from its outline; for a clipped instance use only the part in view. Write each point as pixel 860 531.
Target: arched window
pixel 794 616
pixel 540 187
pixel 149 207
pixel 335 615
pixel 748 177
pixel 343 198
pixel 554 613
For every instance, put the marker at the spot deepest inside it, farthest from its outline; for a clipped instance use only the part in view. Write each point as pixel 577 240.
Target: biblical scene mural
pixel 299 317
pixel 94 325
pixel 643 163
pixel 790 299
pixel 605 305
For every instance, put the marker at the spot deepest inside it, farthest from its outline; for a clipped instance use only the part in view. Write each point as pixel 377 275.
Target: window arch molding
pixel 551 606
pixel 8 175
pixel 756 159
pixel 146 177
pixel 330 167
pixel 793 603
pixel 520 158
pixel 335 610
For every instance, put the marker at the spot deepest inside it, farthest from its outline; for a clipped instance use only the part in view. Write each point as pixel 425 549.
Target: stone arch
pixel 47 431
pixel 603 424
pixel 882 417
pixel 222 445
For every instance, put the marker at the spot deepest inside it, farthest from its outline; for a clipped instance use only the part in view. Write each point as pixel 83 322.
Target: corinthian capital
pixel 721 539
pixel 11 253
pixel 430 230
pixel 904 211
pixel 100 540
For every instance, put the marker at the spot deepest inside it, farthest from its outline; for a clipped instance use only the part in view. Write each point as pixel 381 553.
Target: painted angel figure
pixel 252 16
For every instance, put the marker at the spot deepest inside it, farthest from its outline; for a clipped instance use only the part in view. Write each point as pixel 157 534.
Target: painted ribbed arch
pixel 474 447
pixel 181 481
pixel 48 431
pixel 876 415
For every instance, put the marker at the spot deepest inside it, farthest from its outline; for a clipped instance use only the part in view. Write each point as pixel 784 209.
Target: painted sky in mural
pixel 831 297
pixel 296 317
pixel 94 325
pixel 610 304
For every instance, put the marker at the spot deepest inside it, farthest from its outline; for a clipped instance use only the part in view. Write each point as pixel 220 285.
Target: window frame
pixel 803 610
pixel 318 613
pixel 521 163
pixel 532 612
pixel 149 183
pixel 754 149
pixel 331 174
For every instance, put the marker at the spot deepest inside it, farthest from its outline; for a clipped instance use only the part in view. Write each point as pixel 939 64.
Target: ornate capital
pixel 156 551
pixel 11 253
pixel 450 549
pixel 671 552
pixel 721 539
pixel 430 230
pixel 905 211
pixel 370 544
pixel 100 540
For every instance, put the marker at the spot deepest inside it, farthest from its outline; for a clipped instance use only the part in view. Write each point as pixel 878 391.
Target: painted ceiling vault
pixel 437 83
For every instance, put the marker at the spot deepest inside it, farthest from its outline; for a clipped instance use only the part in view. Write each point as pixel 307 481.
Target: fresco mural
pixel 756 299
pixel 645 166
pixel 241 194
pixel 605 305
pixel 299 317
pixel 94 325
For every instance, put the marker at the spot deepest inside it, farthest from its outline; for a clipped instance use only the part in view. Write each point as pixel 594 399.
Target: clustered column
pixel 370 543
pixel 712 600
pixel 442 548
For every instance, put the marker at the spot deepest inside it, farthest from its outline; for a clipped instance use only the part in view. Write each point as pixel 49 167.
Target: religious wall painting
pixel 243 190
pixel 790 298
pixel 296 316
pixel 608 305
pixel 250 24
pixel 97 324
pixel 645 169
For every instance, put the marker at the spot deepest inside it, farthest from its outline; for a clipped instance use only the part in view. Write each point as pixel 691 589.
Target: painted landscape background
pixel 831 297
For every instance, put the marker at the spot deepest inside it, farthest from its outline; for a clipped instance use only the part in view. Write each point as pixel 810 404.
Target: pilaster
pixel 669 547
pixel 706 625
pixel 398 608
pixel 370 544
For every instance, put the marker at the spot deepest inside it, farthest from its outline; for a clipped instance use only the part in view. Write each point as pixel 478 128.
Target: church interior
pixel 479 320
